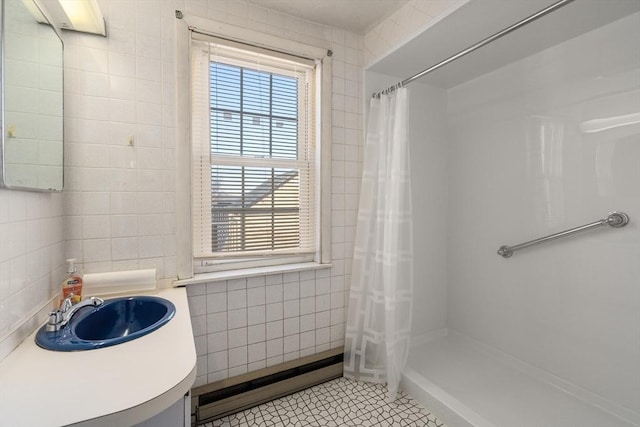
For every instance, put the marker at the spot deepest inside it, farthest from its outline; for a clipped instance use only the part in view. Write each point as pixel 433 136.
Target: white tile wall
pixel 119 210
pixel 120 129
pixel 31 261
pixel 121 114
pixel 235 332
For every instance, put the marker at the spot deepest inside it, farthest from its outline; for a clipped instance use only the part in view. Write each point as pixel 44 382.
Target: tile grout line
pixel 363 404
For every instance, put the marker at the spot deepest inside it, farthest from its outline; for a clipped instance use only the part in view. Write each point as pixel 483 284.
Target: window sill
pixel 250 272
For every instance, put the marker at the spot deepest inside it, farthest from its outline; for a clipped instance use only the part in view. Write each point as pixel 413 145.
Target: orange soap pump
pixel 72 285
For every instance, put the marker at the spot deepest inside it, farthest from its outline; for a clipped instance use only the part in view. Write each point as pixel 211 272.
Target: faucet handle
pixel 96 301
pixel 55 317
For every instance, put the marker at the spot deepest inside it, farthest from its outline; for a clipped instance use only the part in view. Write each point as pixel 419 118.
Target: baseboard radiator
pixel 225 397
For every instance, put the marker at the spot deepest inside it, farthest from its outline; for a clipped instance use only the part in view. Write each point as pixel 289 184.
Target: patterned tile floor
pixel 337 403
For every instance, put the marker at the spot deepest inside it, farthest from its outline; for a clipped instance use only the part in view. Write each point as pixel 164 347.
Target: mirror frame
pixel 3 181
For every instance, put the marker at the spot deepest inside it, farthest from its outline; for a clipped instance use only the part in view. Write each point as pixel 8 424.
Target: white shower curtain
pixel 381 293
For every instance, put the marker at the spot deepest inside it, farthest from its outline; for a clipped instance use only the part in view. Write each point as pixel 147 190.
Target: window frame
pixel 185 261
pixel 299 147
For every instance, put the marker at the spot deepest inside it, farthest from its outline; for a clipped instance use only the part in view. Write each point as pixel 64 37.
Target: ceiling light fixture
pixel 84 16
pixel 76 15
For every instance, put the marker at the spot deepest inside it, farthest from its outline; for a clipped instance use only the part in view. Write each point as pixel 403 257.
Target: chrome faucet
pixel 59 318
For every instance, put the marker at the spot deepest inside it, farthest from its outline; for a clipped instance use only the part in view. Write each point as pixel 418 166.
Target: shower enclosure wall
pixel 540 144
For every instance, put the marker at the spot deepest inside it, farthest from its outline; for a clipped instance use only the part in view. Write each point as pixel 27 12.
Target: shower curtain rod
pixel 476 46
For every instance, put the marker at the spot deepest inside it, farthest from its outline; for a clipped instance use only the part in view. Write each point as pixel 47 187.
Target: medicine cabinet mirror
pixel 31 67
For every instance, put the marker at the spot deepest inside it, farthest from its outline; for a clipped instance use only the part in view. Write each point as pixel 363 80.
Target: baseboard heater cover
pixel 222 398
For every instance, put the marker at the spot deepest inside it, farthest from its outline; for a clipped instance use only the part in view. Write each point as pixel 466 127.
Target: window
pixel 254 169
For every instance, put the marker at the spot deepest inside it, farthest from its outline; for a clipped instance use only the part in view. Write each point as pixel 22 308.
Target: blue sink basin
pixel 116 321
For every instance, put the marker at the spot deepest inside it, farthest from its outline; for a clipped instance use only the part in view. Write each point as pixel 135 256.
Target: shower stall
pixel 535 133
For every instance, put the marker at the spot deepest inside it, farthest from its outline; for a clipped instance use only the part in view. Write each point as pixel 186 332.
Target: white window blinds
pixel 253 168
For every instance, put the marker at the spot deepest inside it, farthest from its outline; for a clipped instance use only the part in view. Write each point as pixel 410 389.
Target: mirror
pixel 32 98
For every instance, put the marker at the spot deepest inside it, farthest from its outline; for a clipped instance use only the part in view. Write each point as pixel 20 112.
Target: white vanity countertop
pixel 112 386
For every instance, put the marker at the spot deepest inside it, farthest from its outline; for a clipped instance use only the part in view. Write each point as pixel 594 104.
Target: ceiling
pixel 354 15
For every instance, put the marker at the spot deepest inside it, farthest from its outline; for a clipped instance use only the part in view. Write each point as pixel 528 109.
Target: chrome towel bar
pixel 614 219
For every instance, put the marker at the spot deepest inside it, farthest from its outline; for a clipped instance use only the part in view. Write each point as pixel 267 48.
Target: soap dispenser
pixel 72 285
